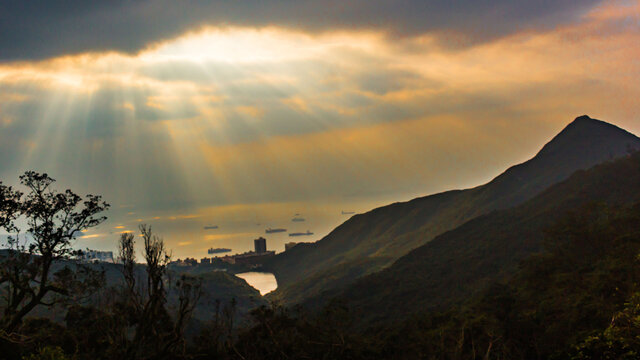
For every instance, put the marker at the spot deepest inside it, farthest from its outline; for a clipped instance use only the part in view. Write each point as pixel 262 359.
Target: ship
pixel 211 227
pixel 301 234
pixel 297 219
pixel 348 212
pixel 218 250
pixel 271 231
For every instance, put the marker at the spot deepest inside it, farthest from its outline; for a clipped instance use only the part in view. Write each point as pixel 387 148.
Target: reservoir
pixel 263 282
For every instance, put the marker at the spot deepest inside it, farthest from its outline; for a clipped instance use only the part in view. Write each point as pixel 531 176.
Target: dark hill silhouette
pixel 463 261
pixel 216 286
pixel 368 242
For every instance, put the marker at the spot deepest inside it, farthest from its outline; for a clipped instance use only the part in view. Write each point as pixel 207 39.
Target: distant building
pixel 253 258
pixel 95 256
pixel 231 259
pixel 184 263
pixel 260 245
pixel 178 262
pixel 289 245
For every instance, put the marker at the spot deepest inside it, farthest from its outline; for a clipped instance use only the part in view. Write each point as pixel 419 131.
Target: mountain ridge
pixel 371 241
pixel 463 261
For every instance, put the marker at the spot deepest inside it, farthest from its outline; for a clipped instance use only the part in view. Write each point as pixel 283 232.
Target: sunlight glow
pixel 237 115
pixel 249 45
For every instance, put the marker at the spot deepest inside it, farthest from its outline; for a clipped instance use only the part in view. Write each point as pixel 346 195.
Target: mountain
pixel 464 261
pixel 369 242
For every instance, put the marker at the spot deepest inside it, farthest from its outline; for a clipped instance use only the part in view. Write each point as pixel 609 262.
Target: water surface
pixel 263 282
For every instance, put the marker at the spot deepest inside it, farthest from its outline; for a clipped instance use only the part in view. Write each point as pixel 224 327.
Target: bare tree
pixel 157 333
pixel 127 256
pixel 53 220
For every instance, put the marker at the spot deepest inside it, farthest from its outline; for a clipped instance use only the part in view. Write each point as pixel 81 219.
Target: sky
pixel 243 114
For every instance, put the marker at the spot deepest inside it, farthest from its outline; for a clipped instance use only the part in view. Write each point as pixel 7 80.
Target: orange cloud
pixel 91 236
pixel 275 116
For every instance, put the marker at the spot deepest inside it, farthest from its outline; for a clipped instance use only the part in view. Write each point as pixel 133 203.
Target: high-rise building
pixel 260 245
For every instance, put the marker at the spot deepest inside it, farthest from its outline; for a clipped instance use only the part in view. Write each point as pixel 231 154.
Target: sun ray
pixel 272 115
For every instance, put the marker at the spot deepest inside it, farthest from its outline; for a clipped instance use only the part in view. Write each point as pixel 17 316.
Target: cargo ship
pixel 211 227
pixel 348 212
pixel 218 250
pixel 301 234
pixel 297 219
pixel 271 231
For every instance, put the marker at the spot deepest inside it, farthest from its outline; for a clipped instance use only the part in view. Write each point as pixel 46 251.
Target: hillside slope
pixel 461 262
pixel 368 242
pixel 217 287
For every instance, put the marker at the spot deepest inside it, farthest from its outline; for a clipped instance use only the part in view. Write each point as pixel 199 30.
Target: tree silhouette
pixel 157 333
pixel 9 206
pixel 53 220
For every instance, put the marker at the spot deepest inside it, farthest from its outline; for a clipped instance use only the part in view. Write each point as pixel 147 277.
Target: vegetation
pixel 566 301
pixel 487 249
pixel 156 334
pixel 577 298
pixel 143 314
pixel 53 220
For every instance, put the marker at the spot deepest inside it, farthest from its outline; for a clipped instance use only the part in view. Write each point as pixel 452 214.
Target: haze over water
pixel 238 226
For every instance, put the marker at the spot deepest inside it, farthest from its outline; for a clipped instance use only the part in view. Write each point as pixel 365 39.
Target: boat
pixel 211 227
pixel 271 231
pixel 301 234
pixel 297 219
pixel 348 212
pixel 218 250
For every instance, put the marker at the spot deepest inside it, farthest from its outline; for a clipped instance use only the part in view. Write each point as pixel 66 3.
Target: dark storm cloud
pixel 43 28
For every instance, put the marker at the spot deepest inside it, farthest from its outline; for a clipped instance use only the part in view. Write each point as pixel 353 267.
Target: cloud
pixel 92 236
pixel 42 29
pixel 283 117
pixel 358 118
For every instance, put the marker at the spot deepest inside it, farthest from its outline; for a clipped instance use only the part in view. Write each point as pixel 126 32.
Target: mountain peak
pixel 585 134
pixel 582 118
pixel 582 144
pixel 585 121
pixel 595 125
